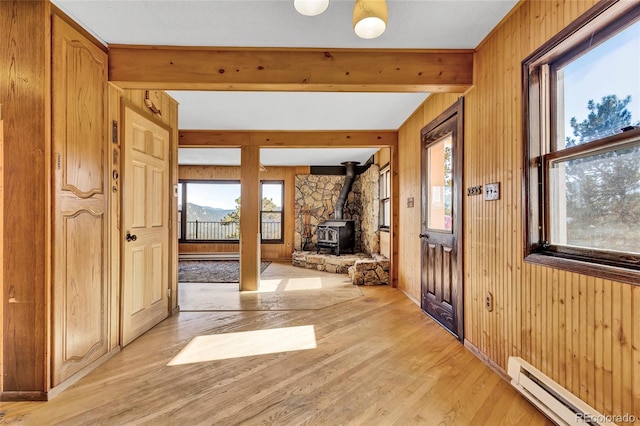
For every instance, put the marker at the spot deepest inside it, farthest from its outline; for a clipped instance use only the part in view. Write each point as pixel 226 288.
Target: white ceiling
pixel 294 110
pixel 276 156
pixel 413 24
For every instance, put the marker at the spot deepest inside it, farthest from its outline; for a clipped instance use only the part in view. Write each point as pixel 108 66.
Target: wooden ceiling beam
pixel 289 139
pixel 270 69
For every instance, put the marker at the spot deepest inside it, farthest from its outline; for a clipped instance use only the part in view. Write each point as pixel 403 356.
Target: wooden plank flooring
pixel 379 361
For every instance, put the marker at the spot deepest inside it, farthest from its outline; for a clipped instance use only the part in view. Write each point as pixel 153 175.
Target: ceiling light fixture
pixel 370 18
pixel 310 7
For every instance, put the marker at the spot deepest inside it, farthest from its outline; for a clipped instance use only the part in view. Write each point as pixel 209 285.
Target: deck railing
pixel 202 230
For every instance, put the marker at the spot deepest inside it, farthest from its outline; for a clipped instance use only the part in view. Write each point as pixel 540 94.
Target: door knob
pixel 424 235
pixel 130 237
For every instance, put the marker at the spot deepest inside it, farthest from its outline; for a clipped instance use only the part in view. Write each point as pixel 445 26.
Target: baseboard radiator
pixel 557 403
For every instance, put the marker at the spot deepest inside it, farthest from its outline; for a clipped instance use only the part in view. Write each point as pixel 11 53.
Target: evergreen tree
pixel 267 206
pixel 603 190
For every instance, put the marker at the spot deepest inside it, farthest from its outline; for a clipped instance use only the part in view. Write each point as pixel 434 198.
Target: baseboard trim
pixel 410 297
pixel 487 361
pixel 209 256
pixel 17 396
pixel 55 391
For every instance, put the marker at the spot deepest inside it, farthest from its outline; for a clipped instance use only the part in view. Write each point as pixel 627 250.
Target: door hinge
pixel 58 161
pixel 169 293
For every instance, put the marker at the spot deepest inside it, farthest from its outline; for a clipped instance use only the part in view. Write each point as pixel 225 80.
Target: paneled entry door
pixel 441 232
pixel 145 223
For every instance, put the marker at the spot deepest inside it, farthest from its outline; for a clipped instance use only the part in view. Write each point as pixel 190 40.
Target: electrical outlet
pixel 488 301
pixel 492 191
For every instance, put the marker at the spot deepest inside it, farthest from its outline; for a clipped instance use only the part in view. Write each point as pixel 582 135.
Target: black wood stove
pixel 336 235
pixel 339 234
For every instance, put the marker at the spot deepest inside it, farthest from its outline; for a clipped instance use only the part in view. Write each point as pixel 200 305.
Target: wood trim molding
pixel 73 24
pixel 319 70
pixel 488 361
pixel 10 396
pixel 289 139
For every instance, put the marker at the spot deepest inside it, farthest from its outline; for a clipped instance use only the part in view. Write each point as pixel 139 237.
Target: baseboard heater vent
pixel 557 403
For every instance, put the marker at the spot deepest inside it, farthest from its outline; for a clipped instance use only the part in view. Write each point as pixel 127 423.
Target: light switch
pixel 492 191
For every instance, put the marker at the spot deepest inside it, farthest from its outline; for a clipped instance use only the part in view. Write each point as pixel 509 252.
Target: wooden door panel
pixel 447 277
pixel 80 308
pixel 157 290
pixel 138 185
pixel 84 269
pixel 158 147
pixel 156 198
pixel 138 138
pixel 138 273
pixel 84 126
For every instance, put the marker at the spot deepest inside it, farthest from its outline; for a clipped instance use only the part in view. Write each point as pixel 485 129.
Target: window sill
pixel 384 229
pixel 624 275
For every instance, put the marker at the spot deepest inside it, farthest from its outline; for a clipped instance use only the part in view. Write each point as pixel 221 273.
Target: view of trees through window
pixel 213 211
pixel 594 189
pixel 601 206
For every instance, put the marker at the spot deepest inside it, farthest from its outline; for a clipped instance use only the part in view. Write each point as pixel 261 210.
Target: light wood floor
pixel 378 360
pixel 282 287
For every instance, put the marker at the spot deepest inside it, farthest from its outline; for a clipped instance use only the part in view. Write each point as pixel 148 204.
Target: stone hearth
pixel 326 262
pixel 362 269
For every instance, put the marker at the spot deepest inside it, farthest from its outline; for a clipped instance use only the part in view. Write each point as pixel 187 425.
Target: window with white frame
pixel 582 122
pixel 385 197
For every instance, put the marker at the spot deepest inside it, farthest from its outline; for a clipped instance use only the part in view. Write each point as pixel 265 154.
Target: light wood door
pixel 80 203
pixel 145 223
pixel 441 245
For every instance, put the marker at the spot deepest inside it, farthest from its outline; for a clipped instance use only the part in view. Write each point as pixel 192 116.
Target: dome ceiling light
pixel 369 16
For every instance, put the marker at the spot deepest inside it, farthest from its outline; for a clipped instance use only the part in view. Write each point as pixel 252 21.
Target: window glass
pixel 271 211
pixel 213 211
pixel 385 200
pixel 596 99
pixel 594 200
pixel 440 186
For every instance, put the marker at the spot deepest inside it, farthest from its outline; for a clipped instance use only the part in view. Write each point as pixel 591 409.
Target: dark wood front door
pixel 441 231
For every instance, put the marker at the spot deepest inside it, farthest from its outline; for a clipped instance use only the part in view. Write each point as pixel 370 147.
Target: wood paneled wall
pixel 26 111
pixel 581 331
pixel 268 251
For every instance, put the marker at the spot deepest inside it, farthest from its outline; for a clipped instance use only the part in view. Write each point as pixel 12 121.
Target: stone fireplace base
pixel 362 269
pixel 326 262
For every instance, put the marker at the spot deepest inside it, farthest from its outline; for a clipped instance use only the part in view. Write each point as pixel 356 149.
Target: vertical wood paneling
pixel 26 112
pixel 581 331
pixel 1 245
pixel 113 165
pixel 171 106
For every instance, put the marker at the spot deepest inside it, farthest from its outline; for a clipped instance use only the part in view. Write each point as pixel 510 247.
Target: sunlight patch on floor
pixel 268 286
pixel 308 283
pixel 246 343
pixel 290 284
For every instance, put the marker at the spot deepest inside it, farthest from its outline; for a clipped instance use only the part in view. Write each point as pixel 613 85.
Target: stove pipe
pixel 350 169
